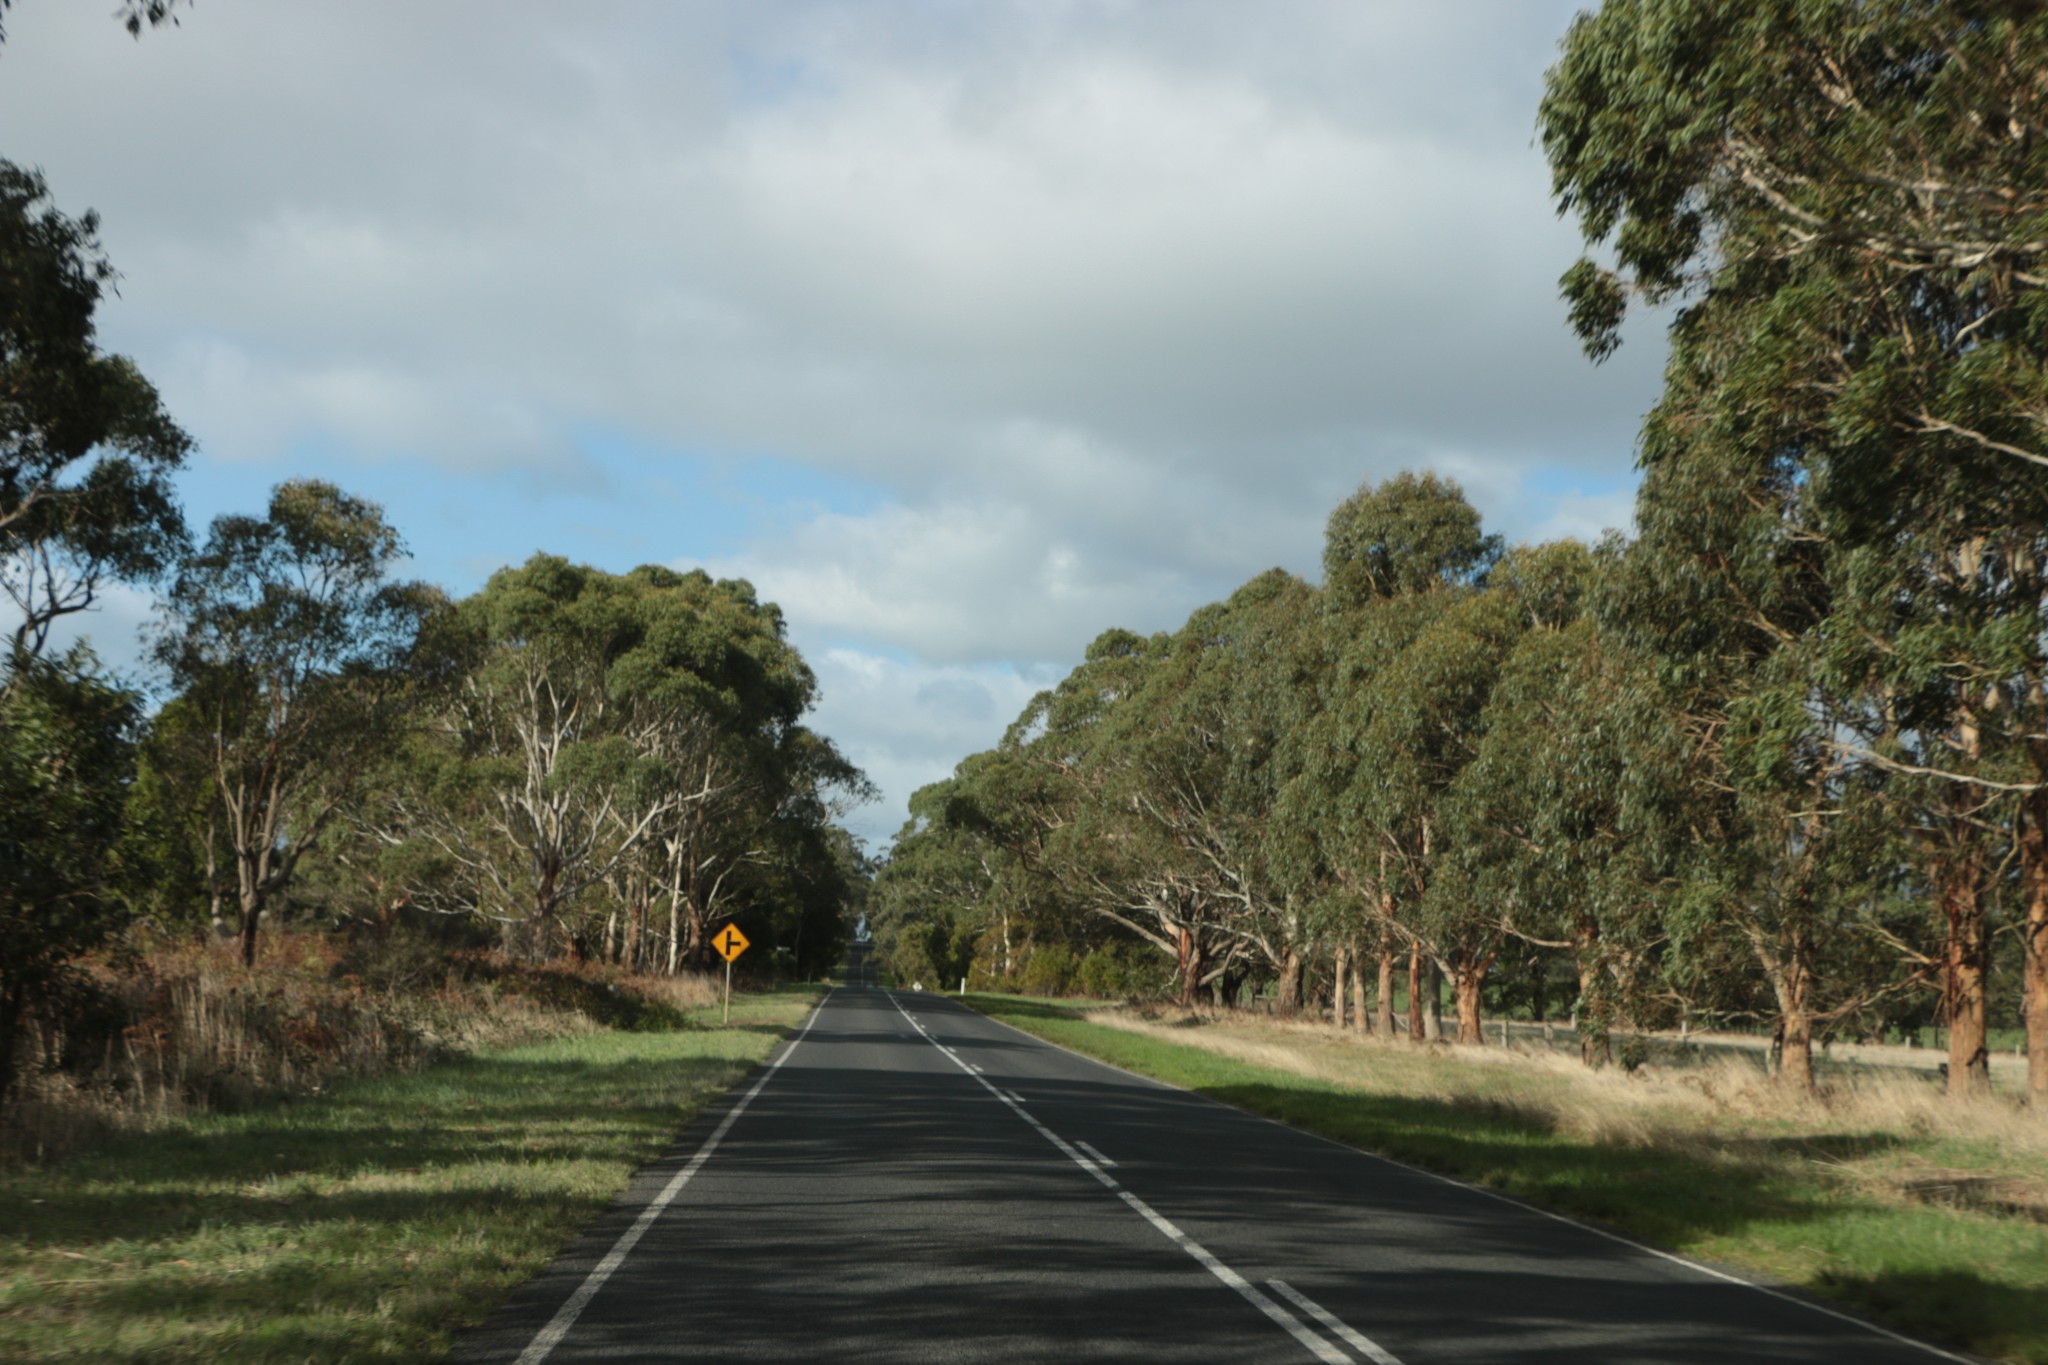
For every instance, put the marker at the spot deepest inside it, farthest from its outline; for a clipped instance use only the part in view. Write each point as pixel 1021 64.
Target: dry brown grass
pixel 1920 1144
pixel 180 1027
pixel 685 992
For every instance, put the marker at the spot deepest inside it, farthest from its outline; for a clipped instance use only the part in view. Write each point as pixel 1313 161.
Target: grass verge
pixel 1833 1199
pixel 368 1223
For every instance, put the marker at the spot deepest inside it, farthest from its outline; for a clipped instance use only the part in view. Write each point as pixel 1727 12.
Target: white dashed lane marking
pixel 1318 1345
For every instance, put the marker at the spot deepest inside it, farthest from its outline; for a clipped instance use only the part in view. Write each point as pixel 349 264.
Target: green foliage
pixel 66 756
pixel 86 454
pixel 295 653
pixel 1049 971
pixel 86 450
pixel 623 745
pixel 1410 534
pixel 1844 558
pixel 1116 971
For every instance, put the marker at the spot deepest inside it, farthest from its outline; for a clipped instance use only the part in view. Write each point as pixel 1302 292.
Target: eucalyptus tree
pixel 86 456
pixel 648 723
pixel 1854 193
pixel 1022 803
pixel 86 449
pixel 1193 759
pixel 1413 534
pixel 1085 808
pixel 932 896
pixel 287 634
pixel 986 865
pixel 1732 586
pixel 1560 823
pixel 1133 845
pixel 1422 726
pixel 798 866
pixel 1261 682
pixel 522 775
pixel 1394 558
pixel 1137 793
pixel 713 695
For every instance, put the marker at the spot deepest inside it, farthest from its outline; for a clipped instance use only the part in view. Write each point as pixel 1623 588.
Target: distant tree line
pixel 1781 757
pixel 567 763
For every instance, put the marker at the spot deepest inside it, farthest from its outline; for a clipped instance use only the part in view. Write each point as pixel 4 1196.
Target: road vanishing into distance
pixel 907 1180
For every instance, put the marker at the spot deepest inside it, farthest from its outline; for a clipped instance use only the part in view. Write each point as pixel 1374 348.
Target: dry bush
pixel 177 1026
pixel 1706 1106
pixel 689 991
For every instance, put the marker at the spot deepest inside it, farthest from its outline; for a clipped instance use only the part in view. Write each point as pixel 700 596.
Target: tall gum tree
pixel 1136 846
pixel 86 457
pixel 1259 681
pixel 715 697
pixel 1731 586
pixel 1315 837
pixel 1423 729
pixel 1556 821
pixel 286 633
pixel 1092 796
pixel 86 449
pixel 1392 555
pixel 1860 194
pixel 605 721
pixel 1200 751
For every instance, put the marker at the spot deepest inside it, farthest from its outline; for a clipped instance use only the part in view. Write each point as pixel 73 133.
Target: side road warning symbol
pixel 730 942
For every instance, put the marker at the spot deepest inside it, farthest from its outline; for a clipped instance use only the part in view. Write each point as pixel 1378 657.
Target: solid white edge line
pixel 1317 1346
pixel 565 1317
pixel 1357 1340
pixel 1509 1199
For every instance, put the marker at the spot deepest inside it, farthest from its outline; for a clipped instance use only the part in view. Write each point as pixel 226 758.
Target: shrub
pixel 1048 971
pixel 1117 970
pixel 177 1026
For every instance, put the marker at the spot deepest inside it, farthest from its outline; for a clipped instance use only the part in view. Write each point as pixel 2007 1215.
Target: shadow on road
pixel 878 1204
pixel 1684 1193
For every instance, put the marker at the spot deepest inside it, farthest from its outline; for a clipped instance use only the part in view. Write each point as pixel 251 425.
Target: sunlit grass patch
pixel 364 1224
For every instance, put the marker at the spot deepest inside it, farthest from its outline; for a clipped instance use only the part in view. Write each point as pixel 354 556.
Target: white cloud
pixel 954 583
pixel 1206 252
pixel 908 723
pixel 1107 303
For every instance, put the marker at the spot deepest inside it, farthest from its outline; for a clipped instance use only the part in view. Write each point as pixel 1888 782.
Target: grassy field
pixel 1880 1196
pixel 362 1224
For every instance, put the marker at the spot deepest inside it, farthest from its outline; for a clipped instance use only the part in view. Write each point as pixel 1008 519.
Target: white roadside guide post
pixel 730 943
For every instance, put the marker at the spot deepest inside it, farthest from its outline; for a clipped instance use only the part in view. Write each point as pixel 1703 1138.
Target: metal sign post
pixel 730 943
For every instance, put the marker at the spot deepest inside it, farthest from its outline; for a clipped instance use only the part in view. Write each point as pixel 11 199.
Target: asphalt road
pixel 910 1181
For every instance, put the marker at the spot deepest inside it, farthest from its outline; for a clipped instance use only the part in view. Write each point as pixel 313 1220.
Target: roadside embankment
pixel 162 1029
pixel 366 1222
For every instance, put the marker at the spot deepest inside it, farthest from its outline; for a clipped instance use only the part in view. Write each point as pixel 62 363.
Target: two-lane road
pixel 910 1181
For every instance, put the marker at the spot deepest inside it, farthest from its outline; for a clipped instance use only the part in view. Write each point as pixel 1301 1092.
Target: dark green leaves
pixel 86 450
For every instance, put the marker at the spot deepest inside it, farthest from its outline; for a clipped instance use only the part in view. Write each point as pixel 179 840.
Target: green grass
pixel 364 1224
pixel 1797 1199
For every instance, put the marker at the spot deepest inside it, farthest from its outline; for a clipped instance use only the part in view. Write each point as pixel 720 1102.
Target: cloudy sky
pixel 965 330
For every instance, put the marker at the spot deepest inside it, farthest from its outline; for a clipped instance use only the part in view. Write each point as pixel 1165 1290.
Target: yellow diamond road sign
pixel 730 942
